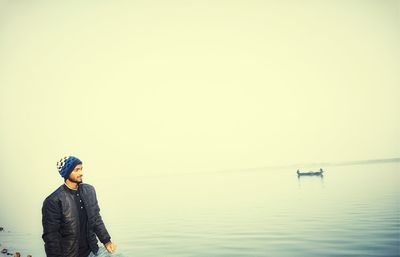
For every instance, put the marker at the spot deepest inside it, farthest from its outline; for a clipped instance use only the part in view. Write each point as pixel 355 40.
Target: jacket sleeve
pixel 51 221
pixel 99 227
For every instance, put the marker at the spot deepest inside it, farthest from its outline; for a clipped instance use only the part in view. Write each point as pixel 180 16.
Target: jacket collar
pixel 72 191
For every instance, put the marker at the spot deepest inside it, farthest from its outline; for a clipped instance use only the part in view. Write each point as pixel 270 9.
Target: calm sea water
pixel 351 211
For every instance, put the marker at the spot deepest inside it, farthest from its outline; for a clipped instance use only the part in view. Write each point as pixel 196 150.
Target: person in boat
pixel 310 172
pixel 71 216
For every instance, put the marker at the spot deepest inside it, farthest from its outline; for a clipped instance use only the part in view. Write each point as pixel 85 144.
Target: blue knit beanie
pixel 66 165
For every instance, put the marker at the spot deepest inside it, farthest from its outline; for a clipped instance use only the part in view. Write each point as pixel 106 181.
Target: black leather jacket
pixel 60 219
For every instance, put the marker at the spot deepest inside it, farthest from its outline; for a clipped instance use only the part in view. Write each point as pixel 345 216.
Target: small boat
pixel 310 173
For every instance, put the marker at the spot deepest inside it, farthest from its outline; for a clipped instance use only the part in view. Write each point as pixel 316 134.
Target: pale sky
pixel 143 87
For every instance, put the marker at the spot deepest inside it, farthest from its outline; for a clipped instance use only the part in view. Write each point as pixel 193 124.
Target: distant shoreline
pixel 279 167
pixel 325 164
pixel 349 163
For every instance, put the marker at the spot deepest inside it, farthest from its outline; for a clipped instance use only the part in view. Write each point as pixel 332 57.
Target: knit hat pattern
pixel 66 165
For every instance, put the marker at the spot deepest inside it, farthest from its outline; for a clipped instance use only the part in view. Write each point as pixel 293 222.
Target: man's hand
pixel 110 247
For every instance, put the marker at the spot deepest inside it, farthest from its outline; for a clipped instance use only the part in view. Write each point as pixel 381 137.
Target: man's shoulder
pixel 55 196
pixel 87 187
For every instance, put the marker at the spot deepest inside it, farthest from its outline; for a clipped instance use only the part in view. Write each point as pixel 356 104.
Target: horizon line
pixel 295 166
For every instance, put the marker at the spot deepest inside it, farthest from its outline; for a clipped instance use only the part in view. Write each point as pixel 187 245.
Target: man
pixel 71 216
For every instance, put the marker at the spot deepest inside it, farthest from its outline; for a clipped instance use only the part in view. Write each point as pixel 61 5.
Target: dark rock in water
pixel 4 250
pixel 1 228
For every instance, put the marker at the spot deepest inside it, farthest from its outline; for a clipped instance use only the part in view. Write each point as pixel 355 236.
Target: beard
pixel 77 180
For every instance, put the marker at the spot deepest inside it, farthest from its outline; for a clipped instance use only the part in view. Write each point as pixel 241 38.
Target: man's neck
pixel 71 185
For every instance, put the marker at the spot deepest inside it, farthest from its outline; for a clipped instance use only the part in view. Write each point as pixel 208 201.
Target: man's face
pixel 76 174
